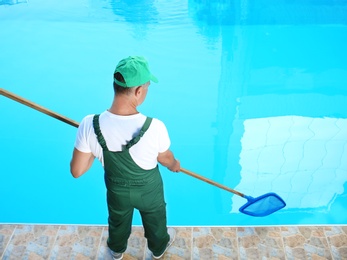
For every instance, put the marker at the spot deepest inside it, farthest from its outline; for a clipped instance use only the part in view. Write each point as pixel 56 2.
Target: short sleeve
pixel 163 137
pixel 83 133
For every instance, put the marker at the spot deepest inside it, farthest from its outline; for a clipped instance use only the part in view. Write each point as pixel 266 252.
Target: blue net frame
pixel 263 205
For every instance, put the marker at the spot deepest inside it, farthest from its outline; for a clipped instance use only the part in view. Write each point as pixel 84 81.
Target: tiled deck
pixel 89 242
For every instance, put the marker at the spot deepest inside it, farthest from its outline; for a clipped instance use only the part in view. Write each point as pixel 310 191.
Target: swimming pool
pixel 253 95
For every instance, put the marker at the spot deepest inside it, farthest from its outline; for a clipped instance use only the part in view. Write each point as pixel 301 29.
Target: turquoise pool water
pixel 253 94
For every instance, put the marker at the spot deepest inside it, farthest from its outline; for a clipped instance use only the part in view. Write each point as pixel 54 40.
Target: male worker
pixel 129 145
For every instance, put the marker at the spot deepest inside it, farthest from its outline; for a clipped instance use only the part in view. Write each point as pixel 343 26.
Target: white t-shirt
pixel 118 131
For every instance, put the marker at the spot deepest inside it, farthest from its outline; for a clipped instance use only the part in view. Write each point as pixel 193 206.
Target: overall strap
pixel 98 133
pixel 142 132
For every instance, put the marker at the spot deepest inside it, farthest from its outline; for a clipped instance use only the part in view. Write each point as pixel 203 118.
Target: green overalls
pixel 128 187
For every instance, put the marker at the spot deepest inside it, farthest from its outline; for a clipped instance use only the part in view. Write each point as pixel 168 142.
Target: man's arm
pixel 80 163
pixel 168 160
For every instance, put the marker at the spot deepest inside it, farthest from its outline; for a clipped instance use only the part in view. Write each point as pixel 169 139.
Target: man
pixel 129 145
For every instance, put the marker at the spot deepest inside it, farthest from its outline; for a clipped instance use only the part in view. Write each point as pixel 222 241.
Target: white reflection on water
pixel 302 159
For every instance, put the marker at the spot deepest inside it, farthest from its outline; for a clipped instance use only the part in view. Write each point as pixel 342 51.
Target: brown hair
pixel 119 89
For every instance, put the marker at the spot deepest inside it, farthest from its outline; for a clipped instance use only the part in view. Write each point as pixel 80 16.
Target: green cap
pixel 135 71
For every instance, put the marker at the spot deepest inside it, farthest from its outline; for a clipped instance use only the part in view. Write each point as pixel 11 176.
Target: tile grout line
pixel 191 243
pixel 237 244
pixel 145 246
pixel 283 244
pixel 329 244
pixel 99 246
pixel 53 244
pixel 146 249
pixel 8 243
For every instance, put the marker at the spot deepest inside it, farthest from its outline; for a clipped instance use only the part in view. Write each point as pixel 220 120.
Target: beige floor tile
pixel 215 243
pixel 36 242
pixel 31 242
pixel 305 243
pixel 337 238
pixel 136 245
pixel 182 246
pixel 6 232
pixel 77 242
pixel 260 243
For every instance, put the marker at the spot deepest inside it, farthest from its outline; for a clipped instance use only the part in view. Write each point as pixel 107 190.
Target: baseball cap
pixel 135 71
